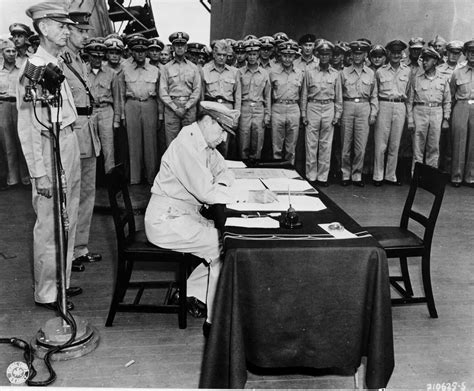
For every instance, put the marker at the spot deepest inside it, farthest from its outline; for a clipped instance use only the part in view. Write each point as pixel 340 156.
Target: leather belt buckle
pixel 470 101
pixel 356 100
pixel 220 100
pixel 252 104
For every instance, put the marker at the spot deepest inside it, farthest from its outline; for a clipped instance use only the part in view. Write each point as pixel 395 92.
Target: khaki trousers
pixel 285 129
pixel 251 130
pixel 426 135
pixel 462 139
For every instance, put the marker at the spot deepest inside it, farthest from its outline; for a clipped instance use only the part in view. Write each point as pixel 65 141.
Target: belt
pixel 468 101
pixel 251 103
pixel 8 99
pixel 397 100
pixel 180 98
pixel 429 104
pixel 140 99
pixel 218 99
pixel 356 100
pixel 102 104
pixel 84 110
pixel 321 101
pixel 286 101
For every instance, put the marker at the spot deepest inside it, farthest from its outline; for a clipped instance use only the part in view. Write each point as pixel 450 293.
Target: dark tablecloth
pixel 300 298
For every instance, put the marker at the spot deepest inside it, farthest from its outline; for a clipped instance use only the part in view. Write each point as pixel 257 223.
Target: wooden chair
pixel 133 246
pixel 400 242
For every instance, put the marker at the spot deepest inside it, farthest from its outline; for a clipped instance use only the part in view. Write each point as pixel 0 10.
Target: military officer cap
pixel 226 117
pixel 307 38
pixel 290 47
pixel 469 46
pixel 113 35
pixel 267 41
pixel 20 28
pixel 50 10
pixel 324 47
pixel 416 43
pixel 179 37
pixel 155 43
pixel 252 45
pixel 377 50
pixel 454 46
pixel 81 18
pixel 96 40
pixel 249 36
pixel 6 43
pixel 359 46
pixel 342 47
pixel 194 47
pixel 113 43
pixel 138 43
pixel 396 45
pixel 365 40
pixel 34 39
pixel 95 46
pixel 430 52
pixel 280 37
pixel 130 37
pixel 239 46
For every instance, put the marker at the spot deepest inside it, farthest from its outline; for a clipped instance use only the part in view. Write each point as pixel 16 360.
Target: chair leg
pixel 127 274
pixel 406 276
pixel 119 292
pixel 182 277
pixel 425 272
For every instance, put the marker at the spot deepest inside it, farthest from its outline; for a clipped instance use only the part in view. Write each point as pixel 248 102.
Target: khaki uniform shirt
pixel 141 82
pixel 8 81
pixel 393 83
pixel 105 89
pixel 286 85
pixel 360 84
pixel 224 84
pixel 256 87
pixel 322 85
pixel 462 83
pixel 446 69
pixel 302 64
pixel 180 79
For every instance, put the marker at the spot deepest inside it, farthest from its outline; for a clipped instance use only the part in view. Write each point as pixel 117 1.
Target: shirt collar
pixel 213 67
pixel 247 69
pixel 48 57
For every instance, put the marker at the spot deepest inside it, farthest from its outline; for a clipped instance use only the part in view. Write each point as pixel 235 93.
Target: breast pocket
pixel 463 87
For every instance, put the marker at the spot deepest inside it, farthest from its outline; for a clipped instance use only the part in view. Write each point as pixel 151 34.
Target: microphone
pixel 49 76
pixel 34 72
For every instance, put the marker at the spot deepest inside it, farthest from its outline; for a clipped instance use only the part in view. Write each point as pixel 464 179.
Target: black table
pixel 300 298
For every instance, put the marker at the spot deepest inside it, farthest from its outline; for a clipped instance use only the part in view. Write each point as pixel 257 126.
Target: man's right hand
pixel 44 186
pixel 180 112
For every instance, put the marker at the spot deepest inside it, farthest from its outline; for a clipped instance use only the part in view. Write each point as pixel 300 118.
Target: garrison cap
pixel 227 118
pixel 416 43
pixel 239 46
pixel 137 43
pixel 438 39
pixel 377 50
pixel 307 38
pixel 430 52
pixel 454 46
pixel 280 37
pixel 155 43
pixel 179 37
pixel 249 36
pixel 359 46
pixel 267 41
pixel 290 47
pixel 6 43
pixel 20 28
pixel 81 18
pixel 324 46
pixel 252 45
pixel 396 45
pixel 469 45
pixel 51 10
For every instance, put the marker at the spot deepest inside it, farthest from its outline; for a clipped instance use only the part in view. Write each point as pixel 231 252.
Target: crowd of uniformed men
pixel 361 106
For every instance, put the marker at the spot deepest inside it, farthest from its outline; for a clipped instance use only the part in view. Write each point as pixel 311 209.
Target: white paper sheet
pixel 300 203
pixel 248 184
pixel 282 184
pixel 250 173
pixel 256 222
pixel 338 234
pixel 235 164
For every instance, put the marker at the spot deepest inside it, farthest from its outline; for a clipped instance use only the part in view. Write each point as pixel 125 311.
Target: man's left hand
pixel 445 124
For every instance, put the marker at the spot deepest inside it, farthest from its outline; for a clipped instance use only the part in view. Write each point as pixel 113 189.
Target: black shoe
pixel 89 258
pixel 322 183
pixel 345 182
pixel 471 184
pixel 196 308
pixel 455 184
pixel 393 183
pixel 358 183
pixel 206 329
pixel 54 305
pixel 73 291
pixel 174 298
pixel 377 183
pixel 77 266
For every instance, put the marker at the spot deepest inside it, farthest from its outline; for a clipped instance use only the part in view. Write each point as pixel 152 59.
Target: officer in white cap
pixel 192 174
pixel 180 88
pixel 50 20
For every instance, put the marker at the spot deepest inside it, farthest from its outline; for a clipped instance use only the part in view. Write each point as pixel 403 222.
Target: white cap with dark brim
pixel 226 117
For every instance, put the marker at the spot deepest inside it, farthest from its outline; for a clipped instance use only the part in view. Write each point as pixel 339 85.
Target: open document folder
pixel 258 222
pixel 301 203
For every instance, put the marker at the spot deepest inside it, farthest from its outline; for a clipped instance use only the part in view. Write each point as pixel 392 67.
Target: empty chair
pixel 133 246
pixel 401 242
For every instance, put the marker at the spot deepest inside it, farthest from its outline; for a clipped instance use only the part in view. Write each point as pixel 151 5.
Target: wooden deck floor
pixel 427 351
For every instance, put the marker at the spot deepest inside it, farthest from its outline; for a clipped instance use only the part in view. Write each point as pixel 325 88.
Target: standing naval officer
pixel 20 33
pixel 75 71
pixel 50 20
pixel 307 60
pixel 180 88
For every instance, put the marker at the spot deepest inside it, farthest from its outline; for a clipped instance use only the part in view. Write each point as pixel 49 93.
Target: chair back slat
pixel 120 205
pixel 433 181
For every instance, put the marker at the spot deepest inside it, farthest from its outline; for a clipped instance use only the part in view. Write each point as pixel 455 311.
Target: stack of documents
pixel 257 222
pixel 301 203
